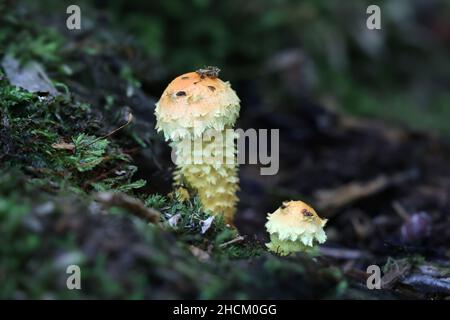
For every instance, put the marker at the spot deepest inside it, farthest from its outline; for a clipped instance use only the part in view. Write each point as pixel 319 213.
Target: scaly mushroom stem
pixel 211 170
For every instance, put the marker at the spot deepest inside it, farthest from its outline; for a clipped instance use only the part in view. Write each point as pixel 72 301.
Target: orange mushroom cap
pixel 192 103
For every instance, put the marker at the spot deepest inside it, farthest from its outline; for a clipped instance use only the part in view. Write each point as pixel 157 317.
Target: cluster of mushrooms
pixel 194 113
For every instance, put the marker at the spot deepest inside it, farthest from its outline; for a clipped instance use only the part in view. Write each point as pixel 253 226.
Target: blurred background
pixel 277 52
pixel 281 51
pixel 364 115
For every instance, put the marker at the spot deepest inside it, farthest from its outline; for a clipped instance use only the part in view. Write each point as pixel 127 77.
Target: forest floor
pixel 85 179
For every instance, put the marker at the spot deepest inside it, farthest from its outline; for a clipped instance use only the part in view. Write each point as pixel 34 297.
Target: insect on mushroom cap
pixel 194 102
pixel 295 220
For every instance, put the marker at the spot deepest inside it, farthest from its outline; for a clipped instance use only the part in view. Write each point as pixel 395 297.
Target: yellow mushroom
pixel 194 112
pixel 294 227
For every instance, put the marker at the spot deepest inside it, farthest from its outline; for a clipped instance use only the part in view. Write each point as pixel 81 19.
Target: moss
pixel 35 127
pixel 186 219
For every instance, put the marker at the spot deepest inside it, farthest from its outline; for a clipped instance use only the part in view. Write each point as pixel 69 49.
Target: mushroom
pixel 294 227
pixel 194 113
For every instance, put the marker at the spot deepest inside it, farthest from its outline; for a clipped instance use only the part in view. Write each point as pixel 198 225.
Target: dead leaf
pixel 31 77
pixel 345 194
pixel 206 224
pixel 63 146
pixel 173 220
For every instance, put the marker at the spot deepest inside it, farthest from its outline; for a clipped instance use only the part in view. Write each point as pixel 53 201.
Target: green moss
pixel 186 219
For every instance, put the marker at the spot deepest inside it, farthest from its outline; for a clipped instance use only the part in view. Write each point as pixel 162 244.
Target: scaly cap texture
pixel 192 104
pixel 294 227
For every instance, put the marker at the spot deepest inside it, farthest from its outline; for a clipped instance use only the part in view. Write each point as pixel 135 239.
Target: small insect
pixel 209 71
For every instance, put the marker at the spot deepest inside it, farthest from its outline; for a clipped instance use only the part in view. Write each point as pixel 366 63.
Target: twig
pixel 133 205
pixel 400 210
pixel 343 253
pixel 396 271
pixel 235 240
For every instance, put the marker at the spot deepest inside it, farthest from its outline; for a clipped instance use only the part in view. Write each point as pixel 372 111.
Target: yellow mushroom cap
pixel 296 221
pixel 193 103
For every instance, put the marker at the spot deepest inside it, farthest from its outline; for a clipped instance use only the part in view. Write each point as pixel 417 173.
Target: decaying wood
pixel 343 253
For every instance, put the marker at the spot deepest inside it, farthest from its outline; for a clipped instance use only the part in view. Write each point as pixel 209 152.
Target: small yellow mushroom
pixel 294 227
pixel 194 113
